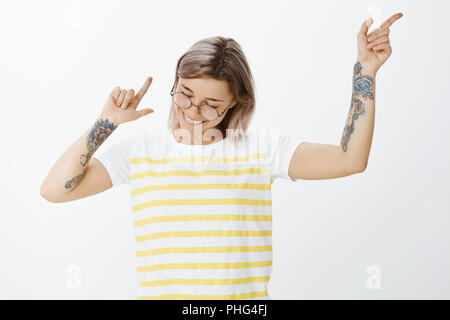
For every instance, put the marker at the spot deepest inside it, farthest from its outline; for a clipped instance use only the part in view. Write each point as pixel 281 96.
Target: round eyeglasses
pixel 208 112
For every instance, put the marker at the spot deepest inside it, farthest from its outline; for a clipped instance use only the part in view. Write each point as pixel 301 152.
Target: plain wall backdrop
pixel 381 234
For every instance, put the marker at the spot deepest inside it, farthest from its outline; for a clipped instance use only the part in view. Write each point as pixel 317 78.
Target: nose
pixel 193 113
pixel 193 109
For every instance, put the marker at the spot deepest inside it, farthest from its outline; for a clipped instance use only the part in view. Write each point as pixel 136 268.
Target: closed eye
pixel 206 103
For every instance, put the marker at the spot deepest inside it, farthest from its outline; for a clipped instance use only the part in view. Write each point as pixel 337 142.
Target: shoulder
pixel 265 131
pixel 155 135
pixel 267 135
pixel 264 140
pixel 149 137
pixel 135 139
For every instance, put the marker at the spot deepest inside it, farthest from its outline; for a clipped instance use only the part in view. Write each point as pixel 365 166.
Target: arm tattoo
pixel 362 85
pixel 100 132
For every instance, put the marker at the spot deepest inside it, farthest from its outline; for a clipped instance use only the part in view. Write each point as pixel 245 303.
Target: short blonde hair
pixel 222 59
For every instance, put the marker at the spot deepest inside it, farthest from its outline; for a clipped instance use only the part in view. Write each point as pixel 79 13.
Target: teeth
pixel 190 120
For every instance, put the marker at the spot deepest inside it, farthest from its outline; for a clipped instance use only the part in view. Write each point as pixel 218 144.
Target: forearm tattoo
pixel 100 132
pixel 363 86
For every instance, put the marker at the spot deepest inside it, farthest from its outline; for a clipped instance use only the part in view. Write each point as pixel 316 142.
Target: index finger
pixel 391 20
pixel 144 88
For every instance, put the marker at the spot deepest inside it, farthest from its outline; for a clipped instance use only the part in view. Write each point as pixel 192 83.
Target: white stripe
pixel 204 258
pixel 205 273
pixel 204 289
pixel 203 241
pixel 202 226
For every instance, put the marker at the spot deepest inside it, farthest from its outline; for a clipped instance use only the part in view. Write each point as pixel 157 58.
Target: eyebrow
pixel 206 98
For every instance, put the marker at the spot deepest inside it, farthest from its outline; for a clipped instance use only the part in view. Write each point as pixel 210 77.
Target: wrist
pixel 367 68
pixel 111 119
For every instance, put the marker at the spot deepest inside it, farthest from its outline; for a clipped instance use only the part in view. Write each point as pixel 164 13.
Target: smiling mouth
pixel 191 121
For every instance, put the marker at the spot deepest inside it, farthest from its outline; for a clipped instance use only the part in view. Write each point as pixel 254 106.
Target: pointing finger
pixel 391 20
pixel 144 89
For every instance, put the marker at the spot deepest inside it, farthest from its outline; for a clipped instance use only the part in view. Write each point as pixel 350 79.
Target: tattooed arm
pixel 73 164
pixel 74 176
pixel 358 130
pixel 325 161
pixel 373 51
pixel 314 161
pixel 101 130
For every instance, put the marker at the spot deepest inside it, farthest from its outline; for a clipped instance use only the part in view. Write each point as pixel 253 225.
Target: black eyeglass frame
pixel 198 107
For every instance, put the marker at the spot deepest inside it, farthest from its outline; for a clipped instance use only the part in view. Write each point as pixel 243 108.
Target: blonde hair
pixel 222 59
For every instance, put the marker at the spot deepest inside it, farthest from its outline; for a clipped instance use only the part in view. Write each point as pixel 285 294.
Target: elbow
pixel 357 166
pixel 361 170
pixel 361 167
pixel 47 195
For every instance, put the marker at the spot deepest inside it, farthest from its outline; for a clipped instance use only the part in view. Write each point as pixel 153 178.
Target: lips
pixel 189 120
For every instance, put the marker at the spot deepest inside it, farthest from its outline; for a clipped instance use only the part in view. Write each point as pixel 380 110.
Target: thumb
pixel 365 27
pixel 145 112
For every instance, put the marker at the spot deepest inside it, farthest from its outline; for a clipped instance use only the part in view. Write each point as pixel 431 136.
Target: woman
pixel 200 191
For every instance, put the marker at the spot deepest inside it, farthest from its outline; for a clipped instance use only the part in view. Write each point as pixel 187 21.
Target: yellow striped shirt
pixel 201 213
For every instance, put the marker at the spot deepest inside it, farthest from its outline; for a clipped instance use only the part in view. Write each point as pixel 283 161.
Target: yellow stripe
pixel 249 186
pixel 206 265
pixel 203 282
pixel 238 296
pixel 196 202
pixel 198 159
pixel 204 233
pixel 199 173
pixel 151 252
pixel 204 217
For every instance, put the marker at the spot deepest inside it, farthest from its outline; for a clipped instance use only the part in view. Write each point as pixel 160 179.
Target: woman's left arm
pixel 313 161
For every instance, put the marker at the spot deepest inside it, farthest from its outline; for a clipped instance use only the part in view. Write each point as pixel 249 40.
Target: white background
pixel 60 59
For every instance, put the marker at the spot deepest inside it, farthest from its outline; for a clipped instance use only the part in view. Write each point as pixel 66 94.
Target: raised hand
pixel 121 105
pixel 374 48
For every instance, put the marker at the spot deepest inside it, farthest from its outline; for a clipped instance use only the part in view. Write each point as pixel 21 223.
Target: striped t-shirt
pixel 201 213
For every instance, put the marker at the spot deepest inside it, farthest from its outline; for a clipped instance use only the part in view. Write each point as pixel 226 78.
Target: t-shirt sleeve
pixel 283 147
pixel 114 153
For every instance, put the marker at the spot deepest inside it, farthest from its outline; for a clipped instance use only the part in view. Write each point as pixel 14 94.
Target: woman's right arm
pixel 75 175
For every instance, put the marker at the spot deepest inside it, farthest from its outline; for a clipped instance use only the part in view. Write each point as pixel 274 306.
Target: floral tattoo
pixel 100 132
pixel 362 85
